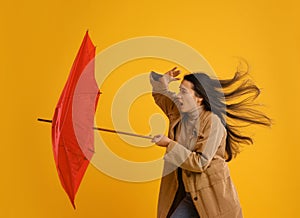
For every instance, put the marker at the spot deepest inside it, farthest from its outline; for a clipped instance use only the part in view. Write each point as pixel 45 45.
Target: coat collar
pixel 192 115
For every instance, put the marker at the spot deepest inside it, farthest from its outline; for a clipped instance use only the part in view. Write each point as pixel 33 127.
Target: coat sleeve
pixel 206 147
pixel 163 97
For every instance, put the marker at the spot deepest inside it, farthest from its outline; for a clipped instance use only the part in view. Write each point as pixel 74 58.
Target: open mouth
pixel 180 104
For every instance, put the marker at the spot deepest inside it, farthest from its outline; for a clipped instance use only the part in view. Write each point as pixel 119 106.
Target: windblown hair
pixel 232 100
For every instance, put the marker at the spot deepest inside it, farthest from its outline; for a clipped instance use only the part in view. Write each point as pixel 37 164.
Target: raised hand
pixel 170 76
pixel 173 73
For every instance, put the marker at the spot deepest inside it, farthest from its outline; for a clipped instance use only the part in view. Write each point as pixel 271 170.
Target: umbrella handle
pixel 107 130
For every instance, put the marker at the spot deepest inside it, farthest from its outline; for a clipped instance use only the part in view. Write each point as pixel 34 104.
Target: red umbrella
pixel 72 124
pixel 73 150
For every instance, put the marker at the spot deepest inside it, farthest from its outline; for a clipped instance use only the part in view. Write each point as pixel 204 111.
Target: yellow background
pixel 39 41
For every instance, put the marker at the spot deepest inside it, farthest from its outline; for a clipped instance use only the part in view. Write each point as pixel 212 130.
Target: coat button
pixel 195 198
pixel 188 174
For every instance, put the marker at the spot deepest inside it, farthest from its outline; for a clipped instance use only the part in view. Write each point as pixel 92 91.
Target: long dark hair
pixel 232 100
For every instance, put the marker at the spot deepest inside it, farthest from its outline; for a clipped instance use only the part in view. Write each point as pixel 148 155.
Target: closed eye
pixel 182 90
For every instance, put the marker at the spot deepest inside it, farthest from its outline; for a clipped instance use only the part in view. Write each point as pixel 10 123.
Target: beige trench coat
pixel 211 187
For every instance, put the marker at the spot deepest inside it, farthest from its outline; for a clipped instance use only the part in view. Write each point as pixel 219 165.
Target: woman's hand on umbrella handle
pixel 161 140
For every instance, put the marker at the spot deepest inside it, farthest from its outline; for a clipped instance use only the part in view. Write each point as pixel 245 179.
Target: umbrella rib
pixel 70 172
pixel 72 76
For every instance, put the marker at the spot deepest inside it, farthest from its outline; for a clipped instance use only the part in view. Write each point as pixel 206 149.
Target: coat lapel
pixel 173 124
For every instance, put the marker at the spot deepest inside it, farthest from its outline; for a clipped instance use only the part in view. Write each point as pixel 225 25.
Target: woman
pixel 203 136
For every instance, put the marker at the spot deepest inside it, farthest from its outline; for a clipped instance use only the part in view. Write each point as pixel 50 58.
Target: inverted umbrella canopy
pixel 75 110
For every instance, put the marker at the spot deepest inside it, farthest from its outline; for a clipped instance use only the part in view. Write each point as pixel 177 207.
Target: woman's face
pixel 186 97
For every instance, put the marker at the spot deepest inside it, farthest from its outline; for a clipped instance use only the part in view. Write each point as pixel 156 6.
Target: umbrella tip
pixel 73 204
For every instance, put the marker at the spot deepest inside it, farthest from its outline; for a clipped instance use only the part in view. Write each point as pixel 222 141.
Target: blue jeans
pixel 185 209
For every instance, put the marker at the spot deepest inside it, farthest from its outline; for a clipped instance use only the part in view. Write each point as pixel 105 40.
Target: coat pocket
pixel 219 198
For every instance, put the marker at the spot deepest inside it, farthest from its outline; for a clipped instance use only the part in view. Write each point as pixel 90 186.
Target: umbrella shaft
pixel 121 132
pixel 44 120
pixel 106 130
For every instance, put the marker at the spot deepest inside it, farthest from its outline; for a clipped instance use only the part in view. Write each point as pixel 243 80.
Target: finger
pixel 157 138
pixel 172 70
pixel 154 139
pixel 176 73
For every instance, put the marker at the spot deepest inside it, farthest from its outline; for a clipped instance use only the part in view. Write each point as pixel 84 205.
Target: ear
pixel 199 100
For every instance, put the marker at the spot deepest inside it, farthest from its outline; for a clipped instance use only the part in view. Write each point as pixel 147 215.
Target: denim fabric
pixel 185 209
